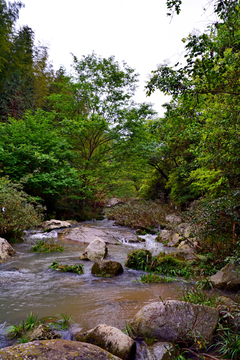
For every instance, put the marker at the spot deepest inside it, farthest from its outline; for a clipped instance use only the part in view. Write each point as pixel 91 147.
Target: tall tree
pixel 204 112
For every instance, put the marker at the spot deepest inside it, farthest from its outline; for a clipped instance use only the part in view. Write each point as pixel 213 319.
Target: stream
pixel 28 285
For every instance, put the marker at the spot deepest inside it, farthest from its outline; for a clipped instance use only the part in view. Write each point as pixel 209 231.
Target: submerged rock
pixel 175 320
pixel 55 350
pixel 96 250
pixel 110 339
pixel 227 277
pixel 107 268
pixel 6 250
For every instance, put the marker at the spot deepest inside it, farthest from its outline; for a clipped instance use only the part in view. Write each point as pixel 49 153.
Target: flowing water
pixel 27 284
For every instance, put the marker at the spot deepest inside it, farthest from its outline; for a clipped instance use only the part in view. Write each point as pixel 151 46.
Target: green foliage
pixel 78 269
pixel 196 295
pixel 216 224
pixel 138 214
pixel 14 331
pixel 198 137
pixel 139 259
pixel 20 332
pixel 32 151
pixel 21 211
pixel 170 266
pixel 161 264
pixel 65 321
pixel 43 246
pixel 153 278
pixel 228 343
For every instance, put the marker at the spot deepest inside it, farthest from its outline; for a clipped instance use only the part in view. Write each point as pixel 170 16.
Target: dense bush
pixel 17 211
pixel 139 214
pixel 217 224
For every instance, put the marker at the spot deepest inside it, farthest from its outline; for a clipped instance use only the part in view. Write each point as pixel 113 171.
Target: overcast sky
pixel 136 31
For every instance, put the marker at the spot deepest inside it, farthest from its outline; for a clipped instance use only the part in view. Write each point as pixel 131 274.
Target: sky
pixel 135 31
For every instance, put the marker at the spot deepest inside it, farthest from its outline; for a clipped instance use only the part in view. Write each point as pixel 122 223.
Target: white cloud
pixel 136 31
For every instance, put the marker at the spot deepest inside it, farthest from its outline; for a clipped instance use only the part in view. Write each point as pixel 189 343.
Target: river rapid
pixel 27 284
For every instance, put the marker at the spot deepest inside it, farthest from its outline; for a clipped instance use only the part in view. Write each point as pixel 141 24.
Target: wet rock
pixel 107 268
pixel 96 250
pixel 164 236
pixel 42 332
pixel 55 350
pixel 184 229
pixel 227 301
pixel 169 238
pixel 227 277
pixel 55 224
pixel 187 245
pixel 228 304
pixel 160 351
pixel 6 250
pixel 174 240
pixel 110 339
pixel 174 320
pixel 185 256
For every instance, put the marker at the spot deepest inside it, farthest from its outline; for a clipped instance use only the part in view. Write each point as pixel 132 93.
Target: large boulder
pixel 87 233
pixel 55 224
pixel 6 250
pixel 107 268
pixel 110 339
pixel 227 277
pixel 96 250
pixel 175 320
pixel 55 350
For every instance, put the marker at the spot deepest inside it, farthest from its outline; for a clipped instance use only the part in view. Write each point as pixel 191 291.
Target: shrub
pixel 217 223
pixel 42 246
pixel 139 259
pixel 138 214
pixel 153 278
pixel 18 211
pixel 78 269
pixel 168 265
pixel 161 264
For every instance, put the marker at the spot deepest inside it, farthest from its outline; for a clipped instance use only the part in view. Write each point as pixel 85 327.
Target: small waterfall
pixel 4 341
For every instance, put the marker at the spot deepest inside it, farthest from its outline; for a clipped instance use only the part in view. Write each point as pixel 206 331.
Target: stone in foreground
pixel 107 268
pixel 96 250
pixel 6 250
pixel 110 339
pixel 55 350
pixel 175 320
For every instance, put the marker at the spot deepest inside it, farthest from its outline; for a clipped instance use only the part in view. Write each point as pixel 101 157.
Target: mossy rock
pixel 106 268
pixel 55 350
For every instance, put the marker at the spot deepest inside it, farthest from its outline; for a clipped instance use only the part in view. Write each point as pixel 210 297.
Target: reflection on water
pixel 27 284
